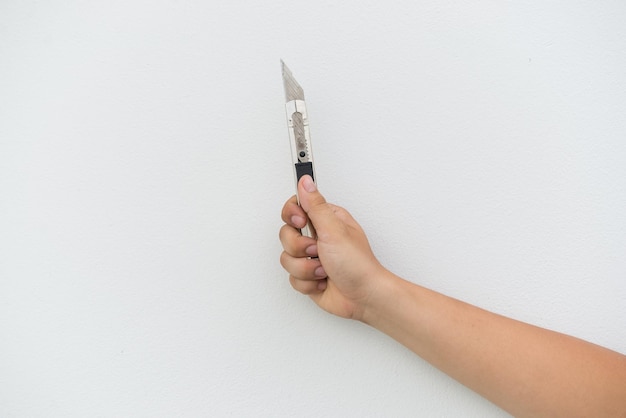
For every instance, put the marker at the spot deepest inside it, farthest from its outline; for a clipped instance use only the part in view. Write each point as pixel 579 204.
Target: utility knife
pixel 299 134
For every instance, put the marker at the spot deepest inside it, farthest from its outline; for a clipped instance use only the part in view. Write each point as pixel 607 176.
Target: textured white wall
pixel 144 160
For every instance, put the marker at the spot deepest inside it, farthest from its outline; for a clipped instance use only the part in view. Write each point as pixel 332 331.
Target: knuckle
pixel 339 210
pixel 293 282
pixel 289 208
pixel 281 233
pixel 288 238
pixel 284 214
pixel 284 260
pixel 341 213
pixel 304 287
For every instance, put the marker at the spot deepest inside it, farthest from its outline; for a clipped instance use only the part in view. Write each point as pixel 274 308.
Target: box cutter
pixel 299 134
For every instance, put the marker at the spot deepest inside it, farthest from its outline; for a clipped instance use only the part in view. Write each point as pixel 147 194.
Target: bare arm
pixel 526 370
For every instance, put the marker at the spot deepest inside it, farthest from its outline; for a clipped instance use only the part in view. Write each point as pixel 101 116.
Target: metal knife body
pixel 299 134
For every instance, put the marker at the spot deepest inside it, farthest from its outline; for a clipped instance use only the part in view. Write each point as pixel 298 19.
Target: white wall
pixel 144 161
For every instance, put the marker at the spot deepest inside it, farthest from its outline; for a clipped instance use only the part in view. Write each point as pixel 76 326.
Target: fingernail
pixel 322 285
pixel 297 221
pixel 311 250
pixel 319 272
pixel 309 184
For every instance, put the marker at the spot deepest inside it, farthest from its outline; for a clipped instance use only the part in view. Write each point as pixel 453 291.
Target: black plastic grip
pixel 303 169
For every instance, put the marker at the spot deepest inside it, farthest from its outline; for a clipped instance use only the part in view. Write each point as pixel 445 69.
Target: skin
pixel 526 370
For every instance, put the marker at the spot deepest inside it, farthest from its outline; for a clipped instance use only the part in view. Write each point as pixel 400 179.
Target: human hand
pixel 344 276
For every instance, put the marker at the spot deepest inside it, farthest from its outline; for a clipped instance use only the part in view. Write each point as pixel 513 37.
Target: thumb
pixel 308 194
pixel 333 224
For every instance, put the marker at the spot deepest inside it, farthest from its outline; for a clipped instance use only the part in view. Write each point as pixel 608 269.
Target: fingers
pixel 308 287
pixel 295 244
pixel 302 268
pixel 292 214
pixel 306 274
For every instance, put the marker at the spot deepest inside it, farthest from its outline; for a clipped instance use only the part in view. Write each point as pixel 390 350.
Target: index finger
pixel 292 214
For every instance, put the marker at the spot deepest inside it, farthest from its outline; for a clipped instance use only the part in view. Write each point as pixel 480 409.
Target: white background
pixel 144 161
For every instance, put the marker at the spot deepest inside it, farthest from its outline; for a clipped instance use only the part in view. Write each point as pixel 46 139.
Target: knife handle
pixel 303 169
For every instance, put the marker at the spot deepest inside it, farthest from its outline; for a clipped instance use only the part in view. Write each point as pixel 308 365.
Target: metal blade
pixel 293 91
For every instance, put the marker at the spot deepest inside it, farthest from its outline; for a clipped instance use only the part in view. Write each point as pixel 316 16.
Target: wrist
pixel 385 292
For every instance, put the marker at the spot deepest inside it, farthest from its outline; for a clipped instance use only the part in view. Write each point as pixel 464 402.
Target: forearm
pixel 528 371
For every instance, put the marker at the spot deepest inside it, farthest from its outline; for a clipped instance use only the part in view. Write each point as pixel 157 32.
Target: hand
pixel 345 274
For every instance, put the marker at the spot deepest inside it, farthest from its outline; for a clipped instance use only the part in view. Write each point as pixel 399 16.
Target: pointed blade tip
pixel 284 67
pixel 293 91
